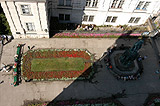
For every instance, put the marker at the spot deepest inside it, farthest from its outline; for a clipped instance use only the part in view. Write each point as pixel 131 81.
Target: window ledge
pixel 27 14
pixel 115 9
pixel 63 6
pixel 28 32
pixel 140 10
pixel 31 33
pixel 110 22
pixel 90 7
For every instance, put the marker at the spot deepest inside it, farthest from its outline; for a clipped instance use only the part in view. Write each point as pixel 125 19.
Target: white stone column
pixel 15 17
pixel 43 17
pixel 36 21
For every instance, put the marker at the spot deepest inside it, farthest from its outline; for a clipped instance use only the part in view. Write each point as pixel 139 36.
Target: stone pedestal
pixel 120 70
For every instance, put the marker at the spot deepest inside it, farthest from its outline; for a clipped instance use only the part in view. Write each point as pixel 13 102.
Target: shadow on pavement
pixel 102 86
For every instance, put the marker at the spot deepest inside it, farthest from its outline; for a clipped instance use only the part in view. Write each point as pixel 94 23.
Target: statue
pixel 128 57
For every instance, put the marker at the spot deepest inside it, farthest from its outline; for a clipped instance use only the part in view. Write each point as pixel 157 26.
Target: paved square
pixel 136 90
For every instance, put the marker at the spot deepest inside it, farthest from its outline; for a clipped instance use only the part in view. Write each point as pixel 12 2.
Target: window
pixel 88 18
pixel 67 17
pixel 111 19
pixel 120 4
pixel 61 2
pixel 68 2
pixel 134 20
pixel 88 2
pixel 91 3
pixel 145 6
pixel 117 3
pixel 142 5
pixel 131 20
pixel 94 3
pixel 108 19
pixel 25 9
pixel 61 16
pixel 114 19
pixel 30 27
pixel 114 3
pixel 64 2
pixel 64 17
pixel 91 18
pixel 85 18
pixel 137 20
pixel 139 5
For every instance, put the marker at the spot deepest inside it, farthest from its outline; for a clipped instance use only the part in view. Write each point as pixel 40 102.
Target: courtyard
pixel 103 84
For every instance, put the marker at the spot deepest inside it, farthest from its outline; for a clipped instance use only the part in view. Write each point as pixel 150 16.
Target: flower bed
pixel 88 102
pixel 93 35
pixel 56 73
pixel 153 100
pixel 37 104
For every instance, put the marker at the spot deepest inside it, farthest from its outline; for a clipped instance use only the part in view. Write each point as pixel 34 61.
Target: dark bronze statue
pixel 128 57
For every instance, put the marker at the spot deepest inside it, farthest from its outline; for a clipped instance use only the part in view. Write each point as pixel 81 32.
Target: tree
pixel 4 26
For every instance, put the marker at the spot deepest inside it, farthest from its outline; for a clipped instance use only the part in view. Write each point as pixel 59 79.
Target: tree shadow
pixel 128 34
pixel 103 84
pixel 63 99
pixel 68 97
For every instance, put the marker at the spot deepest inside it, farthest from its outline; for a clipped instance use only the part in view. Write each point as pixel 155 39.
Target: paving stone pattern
pixel 136 90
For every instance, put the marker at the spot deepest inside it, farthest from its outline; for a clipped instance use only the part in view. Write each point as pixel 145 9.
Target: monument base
pixel 122 71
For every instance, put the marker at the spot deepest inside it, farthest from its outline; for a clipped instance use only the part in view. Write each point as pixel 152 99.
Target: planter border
pixel 95 35
pixel 52 49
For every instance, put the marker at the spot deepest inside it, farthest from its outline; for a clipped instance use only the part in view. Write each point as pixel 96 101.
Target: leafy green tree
pixel 4 26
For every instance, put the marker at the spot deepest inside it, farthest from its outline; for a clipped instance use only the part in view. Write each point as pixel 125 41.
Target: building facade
pixel 31 18
pixel 27 18
pixel 104 12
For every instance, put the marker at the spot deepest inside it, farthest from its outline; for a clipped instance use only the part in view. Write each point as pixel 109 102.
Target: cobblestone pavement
pixel 137 90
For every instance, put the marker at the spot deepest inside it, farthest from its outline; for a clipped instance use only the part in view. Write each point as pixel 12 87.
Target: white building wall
pixel 77 10
pixel 37 17
pixel 14 14
pixel 103 10
pixel 43 18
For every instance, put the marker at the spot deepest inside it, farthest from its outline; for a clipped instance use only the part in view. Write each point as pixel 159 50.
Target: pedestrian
pixel 7 38
pixel 4 69
pixel 159 63
pixel 141 72
pixel 145 57
pixel 1 82
pixel 127 78
pixel 157 71
pixel 139 58
pixel 29 47
pixel 118 77
pixel 110 66
pixel 3 39
pixel 10 38
pixel 123 91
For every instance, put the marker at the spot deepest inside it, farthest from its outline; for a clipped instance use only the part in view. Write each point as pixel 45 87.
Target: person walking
pixel 1 82
pixel 157 71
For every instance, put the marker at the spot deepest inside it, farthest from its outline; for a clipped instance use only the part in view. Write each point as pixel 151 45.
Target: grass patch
pixel 57 64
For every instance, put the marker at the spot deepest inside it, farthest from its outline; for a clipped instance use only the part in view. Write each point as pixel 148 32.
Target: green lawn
pixel 57 64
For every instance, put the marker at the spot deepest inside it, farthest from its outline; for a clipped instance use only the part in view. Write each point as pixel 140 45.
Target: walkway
pixel 137 91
